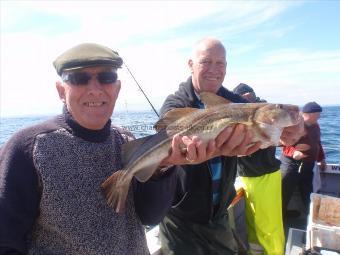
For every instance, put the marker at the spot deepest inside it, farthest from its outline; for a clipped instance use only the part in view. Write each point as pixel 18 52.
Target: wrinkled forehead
pixel 207 51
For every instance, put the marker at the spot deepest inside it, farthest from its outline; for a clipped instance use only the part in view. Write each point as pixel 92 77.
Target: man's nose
pixel 94 84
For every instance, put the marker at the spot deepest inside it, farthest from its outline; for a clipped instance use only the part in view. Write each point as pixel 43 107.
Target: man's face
pixel 311 118
pixel 208 68
pixel 90 104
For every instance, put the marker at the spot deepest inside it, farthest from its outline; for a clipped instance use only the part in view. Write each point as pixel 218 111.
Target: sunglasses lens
pixel 107 77
pixel 79 78
pixel 82 78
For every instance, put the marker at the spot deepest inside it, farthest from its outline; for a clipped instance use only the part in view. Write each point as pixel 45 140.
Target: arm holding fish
pixel 155 197
pixel 196 151
pixel 232 141
pixel 178 164
pixel 200 152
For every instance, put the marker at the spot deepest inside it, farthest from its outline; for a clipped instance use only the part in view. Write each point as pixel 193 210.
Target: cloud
pixel 294 76
pixel 284 56
pixel 154 38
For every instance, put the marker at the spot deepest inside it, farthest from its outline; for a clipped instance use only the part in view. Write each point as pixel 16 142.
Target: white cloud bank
pixel 154 38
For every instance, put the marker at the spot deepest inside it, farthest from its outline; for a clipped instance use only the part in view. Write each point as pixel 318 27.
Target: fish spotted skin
pixel 142 157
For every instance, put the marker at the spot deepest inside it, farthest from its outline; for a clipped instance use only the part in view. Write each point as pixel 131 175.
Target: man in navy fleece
pixel 198 222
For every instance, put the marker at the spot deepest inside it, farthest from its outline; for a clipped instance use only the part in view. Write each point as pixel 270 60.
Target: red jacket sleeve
pixel 288 151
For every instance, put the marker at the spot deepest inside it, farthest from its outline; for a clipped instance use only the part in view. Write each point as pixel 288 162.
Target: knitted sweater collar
pixel 87 134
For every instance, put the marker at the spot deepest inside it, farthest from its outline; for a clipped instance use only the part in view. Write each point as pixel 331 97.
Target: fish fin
pixel 172 116
pixel 116 189
pixel 210 99
pixel 145 173
pixel 129 148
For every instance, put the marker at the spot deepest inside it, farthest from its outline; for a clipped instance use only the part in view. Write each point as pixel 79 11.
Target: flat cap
pixel 87 55
pixel 242 88
pixel 311 107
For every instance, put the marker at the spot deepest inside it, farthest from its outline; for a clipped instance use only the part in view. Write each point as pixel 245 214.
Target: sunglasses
pixel 83 78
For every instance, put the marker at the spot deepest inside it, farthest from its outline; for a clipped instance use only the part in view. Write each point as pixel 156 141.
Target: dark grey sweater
pixel 50 196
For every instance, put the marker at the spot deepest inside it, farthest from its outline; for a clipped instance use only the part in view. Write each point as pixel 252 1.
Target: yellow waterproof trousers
pixel 264 213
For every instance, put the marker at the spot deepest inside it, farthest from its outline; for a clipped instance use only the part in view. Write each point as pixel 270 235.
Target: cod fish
pixel 142 157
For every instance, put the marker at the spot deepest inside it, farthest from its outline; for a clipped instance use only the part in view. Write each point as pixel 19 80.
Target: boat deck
pixel 295 227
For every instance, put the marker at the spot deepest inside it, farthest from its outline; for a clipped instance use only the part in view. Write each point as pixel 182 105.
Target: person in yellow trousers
pixel 261 181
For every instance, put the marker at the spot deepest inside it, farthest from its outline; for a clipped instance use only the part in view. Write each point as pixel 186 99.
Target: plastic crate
pixel 324 222
pixel 325 237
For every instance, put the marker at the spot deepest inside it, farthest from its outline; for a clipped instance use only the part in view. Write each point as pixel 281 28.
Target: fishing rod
pixel 153 108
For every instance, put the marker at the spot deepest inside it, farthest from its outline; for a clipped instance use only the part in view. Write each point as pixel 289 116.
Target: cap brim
pixel 86 66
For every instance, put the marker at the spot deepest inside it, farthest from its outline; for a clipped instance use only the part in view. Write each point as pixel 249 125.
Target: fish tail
pixel 116 188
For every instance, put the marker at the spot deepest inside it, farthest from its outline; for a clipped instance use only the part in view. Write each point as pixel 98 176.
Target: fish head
pixel 277 115
pixel 271 119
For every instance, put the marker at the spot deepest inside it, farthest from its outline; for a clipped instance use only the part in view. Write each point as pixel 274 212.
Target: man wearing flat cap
pixel 297 161
pixel 51 173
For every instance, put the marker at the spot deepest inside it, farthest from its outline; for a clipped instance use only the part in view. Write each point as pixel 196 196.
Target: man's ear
pixel 61 91
pixel 190 64
pixel 118 86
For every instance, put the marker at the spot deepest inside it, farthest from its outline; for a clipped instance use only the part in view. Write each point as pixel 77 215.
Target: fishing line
pixel 153 108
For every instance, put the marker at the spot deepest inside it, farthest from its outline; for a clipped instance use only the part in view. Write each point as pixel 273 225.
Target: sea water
pixel 141 124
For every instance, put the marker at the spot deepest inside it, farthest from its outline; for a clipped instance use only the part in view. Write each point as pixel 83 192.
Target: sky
pixel 288 51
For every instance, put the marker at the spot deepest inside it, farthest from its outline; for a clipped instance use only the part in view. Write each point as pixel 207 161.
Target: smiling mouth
pixel 94 104
pixel 212 78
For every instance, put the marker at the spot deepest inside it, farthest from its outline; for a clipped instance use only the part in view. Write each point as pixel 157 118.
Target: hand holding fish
pixel 192 136
pixel 195 151
pixel 232 141
pixel 236 141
